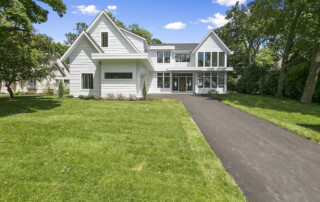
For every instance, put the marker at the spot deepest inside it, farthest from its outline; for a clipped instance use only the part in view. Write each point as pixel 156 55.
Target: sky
pixel 171 21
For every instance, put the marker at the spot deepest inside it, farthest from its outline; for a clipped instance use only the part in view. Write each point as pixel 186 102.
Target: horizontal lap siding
pixel 81 62
pixel 116 42
pixel 137 42
pixel 154 83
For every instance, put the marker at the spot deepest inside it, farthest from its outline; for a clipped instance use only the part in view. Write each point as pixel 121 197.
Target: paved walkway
pixel 267 162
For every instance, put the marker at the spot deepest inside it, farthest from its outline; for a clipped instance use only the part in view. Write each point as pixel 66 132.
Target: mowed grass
pixel 70 149
pixel 288 113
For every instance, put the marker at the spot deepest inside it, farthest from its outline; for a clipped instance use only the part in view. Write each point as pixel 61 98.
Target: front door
pixel 182 84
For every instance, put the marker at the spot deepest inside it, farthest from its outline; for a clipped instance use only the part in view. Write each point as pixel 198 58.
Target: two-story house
pixel 107 59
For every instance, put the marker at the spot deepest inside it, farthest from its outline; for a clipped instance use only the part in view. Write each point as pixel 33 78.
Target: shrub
pixel 144 90
pixel 88 97
pixel 17 93
pixel 232 83
pixel 66 91
pixel 270 83
pixel 69 96
pixel 97 97
pixel 251 79
pixel 81 97
pixel 120 96
pixel 110 96
pixel 60 90
pixel 132 97
pixel 48 90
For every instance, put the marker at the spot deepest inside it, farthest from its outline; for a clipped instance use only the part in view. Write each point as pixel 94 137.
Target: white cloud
pixel 228 2
pixel 112 7
pixel 218 20
pixel 87 10
pixel 210 27
pixel 74 12
pixel 175 25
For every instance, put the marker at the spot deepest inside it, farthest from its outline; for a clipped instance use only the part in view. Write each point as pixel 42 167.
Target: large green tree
pixel 71 37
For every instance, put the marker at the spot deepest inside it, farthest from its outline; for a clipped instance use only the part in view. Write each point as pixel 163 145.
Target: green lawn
pixel 287 113
pixel 70 149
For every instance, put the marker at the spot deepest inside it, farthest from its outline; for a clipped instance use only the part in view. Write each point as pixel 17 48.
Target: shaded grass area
pixel 287 113
pixel 70 149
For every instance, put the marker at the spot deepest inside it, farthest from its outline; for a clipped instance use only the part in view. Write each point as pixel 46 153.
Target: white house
pixel 108 59
pixel 60 71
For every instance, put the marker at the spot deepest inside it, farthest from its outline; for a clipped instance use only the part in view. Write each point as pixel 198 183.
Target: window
pixel 118 75
pixel 104 39
pixel 200 80
pixel 87 81
pixel 160 56
pixel 200 59
pixel 182 57
pixel 214 80
pixel 221 79
pixel 32 83
pixel 66 82
pixel 207 59
pixel 214 59
pixel 221 59
pixel 207 80
pixel 166 56
pixel 163 56
pixel 163 80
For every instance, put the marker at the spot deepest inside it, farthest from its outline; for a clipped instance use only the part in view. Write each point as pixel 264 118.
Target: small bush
pixel 60 90
pixel 132 97
pixel 110 96
pixel 81 97
pixel 88 97
pixel 144 90
pixel 66 91
pixel 97 97
pixel 69 96
pixel 120 96
pixel 17 93
pixel 48 90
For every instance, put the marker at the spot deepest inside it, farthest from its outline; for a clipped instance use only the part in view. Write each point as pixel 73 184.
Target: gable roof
pixel 56 62
pixel 140 37
pixel 205 38
pixel 104 13
pixel 179 46
pixel 71 48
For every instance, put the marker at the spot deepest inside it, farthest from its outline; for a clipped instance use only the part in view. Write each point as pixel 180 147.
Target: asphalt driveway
pixel 267 162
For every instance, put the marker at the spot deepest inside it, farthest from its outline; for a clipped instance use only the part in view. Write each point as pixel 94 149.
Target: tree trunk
pixel 10 90
pixel 287 48
pixel 313 75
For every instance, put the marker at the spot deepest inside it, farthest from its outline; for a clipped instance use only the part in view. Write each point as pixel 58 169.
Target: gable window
pixel 118 75
pixel 182 57
pixel 207 59
pixel 163 56
pixel 87 81
pixel 221 59
pixel 163 80
pixel 200 59
pixel 104 39
pixel 214 59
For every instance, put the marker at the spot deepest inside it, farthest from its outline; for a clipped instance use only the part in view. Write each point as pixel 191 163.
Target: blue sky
pixel 171 21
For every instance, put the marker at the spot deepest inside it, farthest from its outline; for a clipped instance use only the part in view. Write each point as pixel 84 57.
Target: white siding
pixel 116 42
pixel 80 62
pixel 115 86
pixel 153 84
pixel 137 42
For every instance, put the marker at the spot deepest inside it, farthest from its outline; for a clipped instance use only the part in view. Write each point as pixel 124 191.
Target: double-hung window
pixel 200 59
pixel 182 57
pixel 221 59
pixel 200 80
pixel 87 81
pixel 221 79
pixel 207 59
pixel 214 59
pixel 163 56
pixel 163 80
pixel 104 39
pixel 214 80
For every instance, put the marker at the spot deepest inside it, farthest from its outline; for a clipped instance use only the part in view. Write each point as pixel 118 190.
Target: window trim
pixel 81 86
pixel 104 76
pixel 202 59
pixel 211 77
pixel 163 57
pixel 102 45
pixel 186 54
pixel 224 58
pixel 163 76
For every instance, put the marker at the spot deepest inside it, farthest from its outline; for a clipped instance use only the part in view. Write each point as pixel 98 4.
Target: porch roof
pixel 199 69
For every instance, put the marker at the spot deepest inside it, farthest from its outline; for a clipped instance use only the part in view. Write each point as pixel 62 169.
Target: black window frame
pixel 202 57
pixel 166 56
pixel 89 85
pixel 104 40
pixel 118 75
pixel 160 56
pixel 163 80
pixel 207 59
pixel 183 57
pixel 221 60
pixel 214 59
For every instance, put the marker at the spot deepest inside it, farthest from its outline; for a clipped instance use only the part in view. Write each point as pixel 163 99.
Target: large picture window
pixel 214 59
pixel 211 80
pixel 163 80
pixel 87 81
pixel 182 57
pixel 163 56
pixel 221 79
pixel 200 59
pixel 104 39
pixel 118 75
pixel 200 80
pixel 214 80
pixel 207 59
pixel 207 80
pixel 221 59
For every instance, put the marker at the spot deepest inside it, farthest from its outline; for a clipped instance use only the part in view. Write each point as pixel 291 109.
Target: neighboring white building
pixel 60 71
pixel 108 59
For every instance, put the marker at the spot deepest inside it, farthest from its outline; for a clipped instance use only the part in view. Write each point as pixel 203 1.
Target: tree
pixel 117 22
pixel 60 48
pixel 71 37
pixel 24 13
pixel 61 89
pixel 24 56
pixel 144 91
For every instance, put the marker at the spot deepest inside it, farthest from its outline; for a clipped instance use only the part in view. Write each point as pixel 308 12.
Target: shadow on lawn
pixel 274 103
pixel 315 128
pixel 26 104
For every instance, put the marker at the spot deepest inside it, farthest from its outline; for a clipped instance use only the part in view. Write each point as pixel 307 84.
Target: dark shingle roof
pixel 179 46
